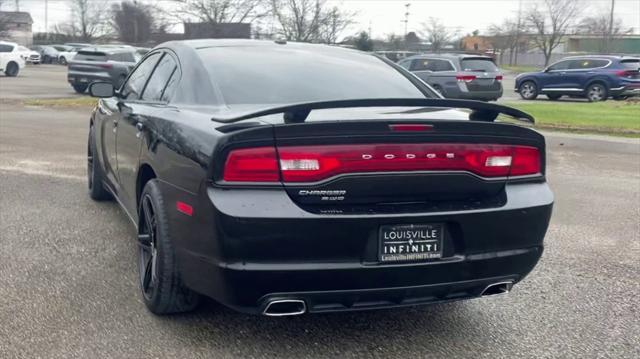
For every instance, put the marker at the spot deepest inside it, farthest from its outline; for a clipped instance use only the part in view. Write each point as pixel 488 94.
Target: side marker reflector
pixel 184 208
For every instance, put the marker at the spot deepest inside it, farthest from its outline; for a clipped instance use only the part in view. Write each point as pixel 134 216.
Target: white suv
pixel 10 60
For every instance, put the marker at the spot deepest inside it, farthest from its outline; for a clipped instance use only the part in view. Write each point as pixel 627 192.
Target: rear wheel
pixel 95 176
pixel 160 282
pixel 528 90
pixel 12 69
pixel 79 88
pixel 597 92
pixel 62 60
pixel 553 97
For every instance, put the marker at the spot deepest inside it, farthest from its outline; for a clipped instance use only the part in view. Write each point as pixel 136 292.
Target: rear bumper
pixel 631 90
pixel 261 246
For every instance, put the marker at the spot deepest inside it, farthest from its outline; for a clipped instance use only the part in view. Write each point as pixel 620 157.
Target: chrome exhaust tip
pixel 497 288
pixel 285 307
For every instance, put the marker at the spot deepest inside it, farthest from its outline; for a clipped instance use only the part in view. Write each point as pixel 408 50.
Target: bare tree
pixel 333 23
pixel 605 28
pixel 223 11
pixel 550 22
pixel 299 20
pixel 88 20
pixel 506 36
pixel 436 33
pixel 133 21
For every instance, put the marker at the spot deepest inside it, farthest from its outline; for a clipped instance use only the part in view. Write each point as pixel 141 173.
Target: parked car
pixel 48 54
pixel 357 188
pixel 100 64
pixel 595 78
pixel 457 75
pixel 66 53
pixel 29 56
pixel 11 60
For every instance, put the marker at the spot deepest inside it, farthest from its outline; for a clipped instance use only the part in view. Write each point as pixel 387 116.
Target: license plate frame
pixel 410 242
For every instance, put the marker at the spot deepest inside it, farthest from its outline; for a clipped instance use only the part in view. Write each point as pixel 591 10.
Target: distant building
pixel 16 26
pixel 623 44
pixel 205 30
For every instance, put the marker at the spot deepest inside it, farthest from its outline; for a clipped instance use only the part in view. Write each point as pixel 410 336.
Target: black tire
pixel 553 97
pixel 95 176
pixel 597 92
pixel 528 90
pixel 12 69
pixel 80 88
pixel 160 282
pixel 62 60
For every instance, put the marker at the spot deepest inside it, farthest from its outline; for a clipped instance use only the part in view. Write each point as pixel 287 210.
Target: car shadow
pixel 333 334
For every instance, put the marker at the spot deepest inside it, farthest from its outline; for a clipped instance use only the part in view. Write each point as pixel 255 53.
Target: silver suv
pixel 458 76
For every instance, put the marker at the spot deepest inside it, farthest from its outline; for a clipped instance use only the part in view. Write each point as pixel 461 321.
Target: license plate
pixel 411 242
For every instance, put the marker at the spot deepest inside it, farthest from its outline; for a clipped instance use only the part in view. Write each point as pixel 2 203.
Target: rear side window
pixel 633 64
pixel 423 65
pixel 6 48
pixel 132 89
pixel 159 79
pixel 443 65
pixel 90 56
pixel 585 64
pixel 480 64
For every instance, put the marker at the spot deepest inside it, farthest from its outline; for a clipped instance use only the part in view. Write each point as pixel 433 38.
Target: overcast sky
pixel 385 16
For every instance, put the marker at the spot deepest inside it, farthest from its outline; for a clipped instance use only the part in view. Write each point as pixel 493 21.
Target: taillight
pixel 626 73
pixel 258 164
pixel 106 66
pixel 526 161
pixel 316 163
pixel 465 78
pixel 320 162
pixel 499 78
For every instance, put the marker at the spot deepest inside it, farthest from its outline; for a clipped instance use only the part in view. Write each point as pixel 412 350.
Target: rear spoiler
pixel 297 113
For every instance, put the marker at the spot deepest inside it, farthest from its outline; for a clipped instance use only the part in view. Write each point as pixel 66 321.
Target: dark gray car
pixel 101 64
pixel 458 76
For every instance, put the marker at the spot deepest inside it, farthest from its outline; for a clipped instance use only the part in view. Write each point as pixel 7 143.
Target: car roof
pixel 107 50
pixel 450 56
pixel 608 57
pixel 8 43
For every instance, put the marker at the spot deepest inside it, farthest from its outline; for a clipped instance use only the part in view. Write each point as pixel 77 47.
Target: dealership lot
pixel 68 275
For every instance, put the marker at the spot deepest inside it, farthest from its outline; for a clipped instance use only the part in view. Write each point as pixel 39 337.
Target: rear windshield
pixel 90 56
pixel 631 64
pixel 483 65
pixel 301 73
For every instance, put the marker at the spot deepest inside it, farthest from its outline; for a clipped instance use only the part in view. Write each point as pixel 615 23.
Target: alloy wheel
pixel 148 253
pixel 527 90
pixel 596 93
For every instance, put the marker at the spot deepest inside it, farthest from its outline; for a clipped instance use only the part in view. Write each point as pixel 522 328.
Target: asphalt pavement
pixel 68 280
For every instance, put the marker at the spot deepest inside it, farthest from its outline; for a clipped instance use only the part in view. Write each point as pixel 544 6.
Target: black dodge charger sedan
pixel 284 178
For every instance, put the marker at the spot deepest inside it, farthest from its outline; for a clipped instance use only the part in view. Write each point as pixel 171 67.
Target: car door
pixel 128 113
pixel 585 70
pixel 137 119
pixel 554 78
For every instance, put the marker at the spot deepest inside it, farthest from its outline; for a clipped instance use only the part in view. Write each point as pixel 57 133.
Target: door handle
pixel 140 126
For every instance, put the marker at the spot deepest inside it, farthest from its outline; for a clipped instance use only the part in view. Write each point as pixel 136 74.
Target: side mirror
pixel 102 89
pixel 546 70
